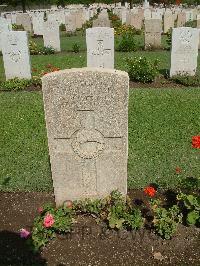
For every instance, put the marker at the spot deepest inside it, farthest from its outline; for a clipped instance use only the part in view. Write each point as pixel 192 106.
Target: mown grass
pixel 161 124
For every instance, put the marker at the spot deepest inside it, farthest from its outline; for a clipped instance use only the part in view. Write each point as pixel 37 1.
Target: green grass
pixel 161 124
pixel 24 160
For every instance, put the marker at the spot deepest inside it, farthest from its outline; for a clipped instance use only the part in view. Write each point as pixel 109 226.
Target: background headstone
pixel 16 55
pixel 51 35
pixel 153 30
pixel 86 113
pixel 100 47
pixel 184 51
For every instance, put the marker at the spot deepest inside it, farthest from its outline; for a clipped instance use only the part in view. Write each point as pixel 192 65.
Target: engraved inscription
pixel 15 56
pixel 88 142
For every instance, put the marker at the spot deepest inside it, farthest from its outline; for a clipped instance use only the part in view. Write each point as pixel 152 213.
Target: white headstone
pixel 184 51
pixel 51 35
pixel 16 54
pixel 4 27
pixel 86 112
pixel 38 20
pixel 100 47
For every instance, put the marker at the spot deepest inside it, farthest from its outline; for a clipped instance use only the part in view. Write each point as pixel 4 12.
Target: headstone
pixel 146 4
pixel 102 20
pixel 168 21
pixel 181 20
pixel 136 21
pixel 184 51
pixel 51 35
pixel 147 14
pixel 198 21
pixel 4 27
pixel 86 113
pixel 16 55
pixel 153 29
pixel 38 20
pixel 70 22
pixel 100 47
pixel 25 20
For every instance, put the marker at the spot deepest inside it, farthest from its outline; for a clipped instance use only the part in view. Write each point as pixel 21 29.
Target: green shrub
pixel 76 48
pixel 192 205
pixel 142 70
pixel 127 43
pixel 19 84
pixel 16 27
pixel 169 39
pixel 37 50
pixel 62 27
pixel 47 50
pixel 192 24
pixel 166 221
pixel 187 80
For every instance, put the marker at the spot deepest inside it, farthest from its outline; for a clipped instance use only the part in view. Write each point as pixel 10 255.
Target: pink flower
pixel 24 233
pixel 48 220
pixel 40 209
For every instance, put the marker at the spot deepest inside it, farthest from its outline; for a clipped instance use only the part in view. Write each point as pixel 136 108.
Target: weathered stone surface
pixel 4 27
pixel 16 54
pixel 136 21
pixel 168 21
pixel 102 20
pixel 184 51
pixel 51 35
pixel 25 20
pixel 38 20
pixel 181 20
pixel 153 29
pixel 86 113
pixel 100 47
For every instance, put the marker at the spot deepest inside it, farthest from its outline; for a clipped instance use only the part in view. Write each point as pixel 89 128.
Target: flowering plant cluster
pixel 115 210
pixel 142 70
pixel 51 221
pixel 126 29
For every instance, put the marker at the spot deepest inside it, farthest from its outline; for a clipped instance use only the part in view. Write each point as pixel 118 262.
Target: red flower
pixel 178 170
pixel 150 191
pixel 196 142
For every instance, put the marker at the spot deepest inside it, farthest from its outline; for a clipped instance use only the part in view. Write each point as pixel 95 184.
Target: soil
pixel 89 243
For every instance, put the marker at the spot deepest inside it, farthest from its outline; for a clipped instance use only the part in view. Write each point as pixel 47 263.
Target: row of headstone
pixel 100 49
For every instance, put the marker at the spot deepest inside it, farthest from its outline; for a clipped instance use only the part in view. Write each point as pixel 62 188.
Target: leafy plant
pixel 62 27
pixel 191 23
pixel 142 70
pixel 76 48
pixel 16 27
pixel 186 80
pixel 169 39
pixel 166 220
pixel 19 84
pixel 192 205
pixel 36 50
pixel 50 222
pixel 121 214
pixel 127 43
pixel 127 29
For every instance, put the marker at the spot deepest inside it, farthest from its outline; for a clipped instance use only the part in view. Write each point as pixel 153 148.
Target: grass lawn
pixel 161 124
